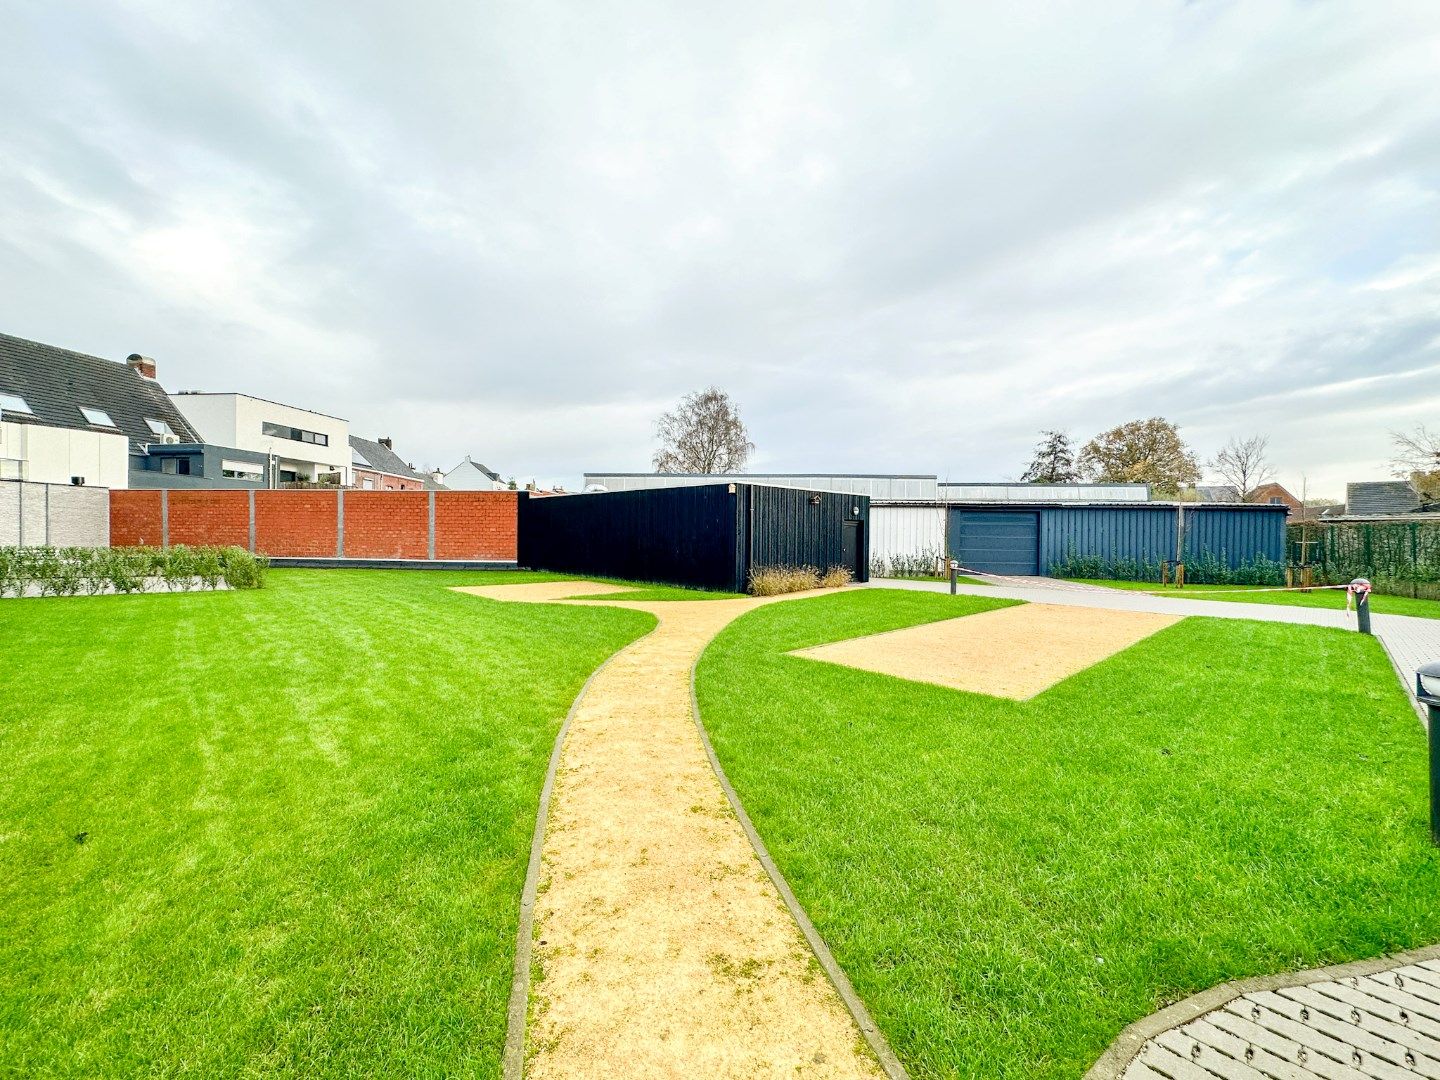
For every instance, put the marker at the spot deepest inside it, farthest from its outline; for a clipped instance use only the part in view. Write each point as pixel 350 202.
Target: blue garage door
pixel 996 541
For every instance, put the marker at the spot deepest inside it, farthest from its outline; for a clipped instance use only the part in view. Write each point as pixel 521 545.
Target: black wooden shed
pixel 707 536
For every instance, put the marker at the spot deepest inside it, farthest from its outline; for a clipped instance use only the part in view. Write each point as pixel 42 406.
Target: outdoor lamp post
pixel 1427 689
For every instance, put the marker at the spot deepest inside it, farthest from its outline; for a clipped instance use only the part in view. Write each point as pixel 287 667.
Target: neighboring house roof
pixel 1381 497
pixel 1267 492
pixel 1220 493
pixel 475 465
pixel 57 383
pixel 379 458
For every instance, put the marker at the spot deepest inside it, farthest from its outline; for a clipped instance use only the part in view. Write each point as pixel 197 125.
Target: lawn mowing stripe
pixel 876 1040
pixel 514 1062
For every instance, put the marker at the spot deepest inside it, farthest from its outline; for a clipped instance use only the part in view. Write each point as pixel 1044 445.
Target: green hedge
pixel 1207 568
pixel 1395 552
pixel 90 571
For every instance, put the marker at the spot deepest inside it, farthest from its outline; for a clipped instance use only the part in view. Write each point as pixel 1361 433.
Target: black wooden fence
pixel 706 536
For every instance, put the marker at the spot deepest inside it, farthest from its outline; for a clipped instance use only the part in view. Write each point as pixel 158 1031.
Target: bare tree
pixel 1141 452
pixel 703 434
pixel 1417 459
pixel 1243 464
pixel 1053 462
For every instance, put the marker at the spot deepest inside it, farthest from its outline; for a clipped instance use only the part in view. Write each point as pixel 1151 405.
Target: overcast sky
pixel 904 237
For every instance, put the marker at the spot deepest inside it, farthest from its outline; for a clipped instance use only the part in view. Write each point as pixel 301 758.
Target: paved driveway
pixel 1409 641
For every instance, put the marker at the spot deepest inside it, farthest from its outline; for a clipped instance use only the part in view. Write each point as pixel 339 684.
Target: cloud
pixel 905 238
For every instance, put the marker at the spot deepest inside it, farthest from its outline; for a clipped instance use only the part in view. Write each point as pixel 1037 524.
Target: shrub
pixel 921 564
pixel 1204 568
pixel 775 580
pixel 88 571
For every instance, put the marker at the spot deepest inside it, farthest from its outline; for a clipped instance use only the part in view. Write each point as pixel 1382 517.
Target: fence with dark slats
pixel 707 536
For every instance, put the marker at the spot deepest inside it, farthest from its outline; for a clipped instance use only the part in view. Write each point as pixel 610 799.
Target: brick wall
pixel 135 519
pixel 476 524
pixel 209 517
pixel 301 523
pixel 387 525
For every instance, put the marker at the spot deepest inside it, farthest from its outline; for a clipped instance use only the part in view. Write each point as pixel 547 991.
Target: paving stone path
pixel 1375 1020
pixel 661 948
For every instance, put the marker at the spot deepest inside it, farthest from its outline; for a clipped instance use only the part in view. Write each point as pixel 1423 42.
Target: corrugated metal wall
pixel 1237 536
pixel 1148 533
pixel 705 537
pixel 1141 532
pixel 1145 533
pixel 906 532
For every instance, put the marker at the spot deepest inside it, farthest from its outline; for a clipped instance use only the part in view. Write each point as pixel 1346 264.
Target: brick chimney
pixel 143 364
pixel 386 442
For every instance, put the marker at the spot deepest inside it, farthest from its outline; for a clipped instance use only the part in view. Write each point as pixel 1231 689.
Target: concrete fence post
pixel 430 550
pixel 251 493
pixel 164 517
pixel 47 515
pixel 340 523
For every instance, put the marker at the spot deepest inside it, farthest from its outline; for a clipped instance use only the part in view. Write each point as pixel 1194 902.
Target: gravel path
pixel 1409 641
pixel 661 947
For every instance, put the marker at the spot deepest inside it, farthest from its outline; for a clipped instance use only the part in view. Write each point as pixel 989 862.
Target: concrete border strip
pixel 1122 1052
pixel 517 1013
pixel 873 1036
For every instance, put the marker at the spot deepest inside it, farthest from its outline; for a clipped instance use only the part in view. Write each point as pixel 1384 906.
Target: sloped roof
pixel 56 383
pixel 374 456
pixel 476 466
pixel 1381 497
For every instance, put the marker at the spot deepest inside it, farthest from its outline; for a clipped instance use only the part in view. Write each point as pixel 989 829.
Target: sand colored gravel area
pixel 661 948
pixel 1014 652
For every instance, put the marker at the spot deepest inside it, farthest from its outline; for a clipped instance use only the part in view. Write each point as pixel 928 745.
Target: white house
pixel 472 476
pixel 71 418
pixel 55 455
pixel 301 444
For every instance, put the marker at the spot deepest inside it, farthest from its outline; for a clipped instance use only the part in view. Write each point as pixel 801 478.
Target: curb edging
pixel 517 1012
pixel 872 1035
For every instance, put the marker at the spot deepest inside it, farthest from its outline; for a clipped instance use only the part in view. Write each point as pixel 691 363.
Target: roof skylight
pixel 98 417
pixel 14 403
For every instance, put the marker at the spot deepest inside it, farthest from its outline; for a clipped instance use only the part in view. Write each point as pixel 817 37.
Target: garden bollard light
pixel 1427 689
pixel 1360 590
pixel 954 569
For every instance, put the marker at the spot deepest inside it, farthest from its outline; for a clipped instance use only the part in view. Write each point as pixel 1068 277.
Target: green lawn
pixel 1009 884
pixel 1253 594
pixel 277 832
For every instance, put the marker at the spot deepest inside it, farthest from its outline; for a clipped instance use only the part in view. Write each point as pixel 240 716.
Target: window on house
pixel 294 434
pixel 242 470
pixel 159 427
pixel 368 483
pixel 1276 500
pixel 98 417
pixel 14 403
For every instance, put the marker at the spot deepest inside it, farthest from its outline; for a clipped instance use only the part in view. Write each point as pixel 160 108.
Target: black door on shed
pixel 850 548
pixel 996 541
